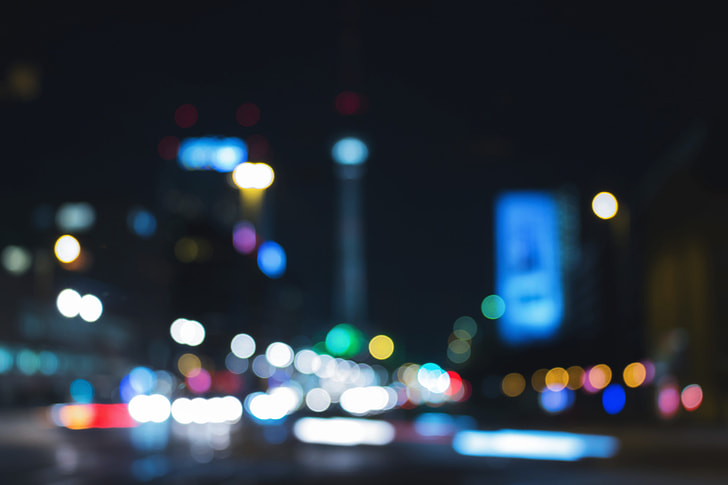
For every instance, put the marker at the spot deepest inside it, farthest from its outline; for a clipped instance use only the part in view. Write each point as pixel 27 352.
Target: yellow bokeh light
pixel 538 380
pixel 513 384
pixel 634 374
pixel 381 347
pixel 76 416
pixel 186 250
pixel 189 364
pixel 557 378
pixel 605 205
pixel 600 376
pixel 67 249
pixel 576 377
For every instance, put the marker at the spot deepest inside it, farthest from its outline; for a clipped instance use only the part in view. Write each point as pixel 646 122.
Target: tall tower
pixel 350 292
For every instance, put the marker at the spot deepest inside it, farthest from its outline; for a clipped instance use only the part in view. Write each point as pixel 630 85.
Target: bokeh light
pixel 90 308
pixel 668 400
pixel 82 391
pixel 599 376
pixel 244 237
pixel 458 351
pixel 27 362
pixel 493 307
pixel 141 222
pixel 604 205
pixel 185 116
pixel 187 332
pixel 554 402
pixel 347 103
pixel 538 380
pixel 557 379
pixel 67 249
pixel 350 151
pixel 318 400
pixel 272 259
pixel 344 340
pixel 199 382
pixel 48 363
pixel 6 360
pixel 613 399
pixel 576 377
pixel 235 364
pixel 247 114
pixel 279 354
pixel 242 345
pixel 168 147
pixel 68 303
pixel 253 175
pixel 188 364
pixel 381 347
pixel 142 380
pixel 208 153
pixel 513 384
pixel 16 260
pixel 307 361
pixel 465 328
pixel 75 217
pixel 691 397
pixel 634 374
pixel 154 408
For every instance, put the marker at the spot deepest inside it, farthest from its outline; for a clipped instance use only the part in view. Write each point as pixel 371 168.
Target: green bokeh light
pixel 344 340
pixel 493 307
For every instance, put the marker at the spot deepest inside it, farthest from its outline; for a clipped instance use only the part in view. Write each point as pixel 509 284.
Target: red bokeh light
pixel 692 397
pixel 168 147
pixel 348 103
pixel 257 147
pixel 248 114
pixel 185 116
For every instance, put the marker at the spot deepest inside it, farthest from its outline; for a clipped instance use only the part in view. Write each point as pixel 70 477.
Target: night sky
pixel 461 103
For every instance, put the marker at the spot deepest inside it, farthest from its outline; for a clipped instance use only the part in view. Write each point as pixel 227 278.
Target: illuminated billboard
pixel 528 272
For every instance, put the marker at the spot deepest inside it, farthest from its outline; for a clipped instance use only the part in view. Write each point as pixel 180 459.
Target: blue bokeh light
pixel 350 151
pixel 207 153
pixel 613 399
pixel 142 222
pixel 82 391
pixel 142 380
pixel 554 402
pixel 271 259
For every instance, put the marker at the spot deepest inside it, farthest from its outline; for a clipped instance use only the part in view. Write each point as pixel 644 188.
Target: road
pixel 34 452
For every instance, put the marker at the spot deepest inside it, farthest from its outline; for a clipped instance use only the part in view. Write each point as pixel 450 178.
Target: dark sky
pixel 462 102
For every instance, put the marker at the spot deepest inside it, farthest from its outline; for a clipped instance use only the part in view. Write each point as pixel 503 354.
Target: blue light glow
pixel 142 223
pixel 535 445
pixel 613 399
pixel 82 391
pixel 528 266
pixel 219 154
pixel 6 360
pixel 350 151
pixel 271 259
pixel 142 380
pixel 554 402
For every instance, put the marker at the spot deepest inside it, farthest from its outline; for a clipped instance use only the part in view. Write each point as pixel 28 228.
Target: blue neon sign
pixel 208 153
pixel 528 266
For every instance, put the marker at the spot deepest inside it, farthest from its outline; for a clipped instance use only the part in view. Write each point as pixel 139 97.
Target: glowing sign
pixel 219 154
pixel 528 266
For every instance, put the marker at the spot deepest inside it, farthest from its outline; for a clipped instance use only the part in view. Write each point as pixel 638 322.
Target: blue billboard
pixel 528 273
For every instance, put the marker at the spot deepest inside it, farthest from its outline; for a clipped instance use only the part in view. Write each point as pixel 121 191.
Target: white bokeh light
pixel 68 303
pixel 279 354
pixel 242 345
pixel 318 400
pixel 90 308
